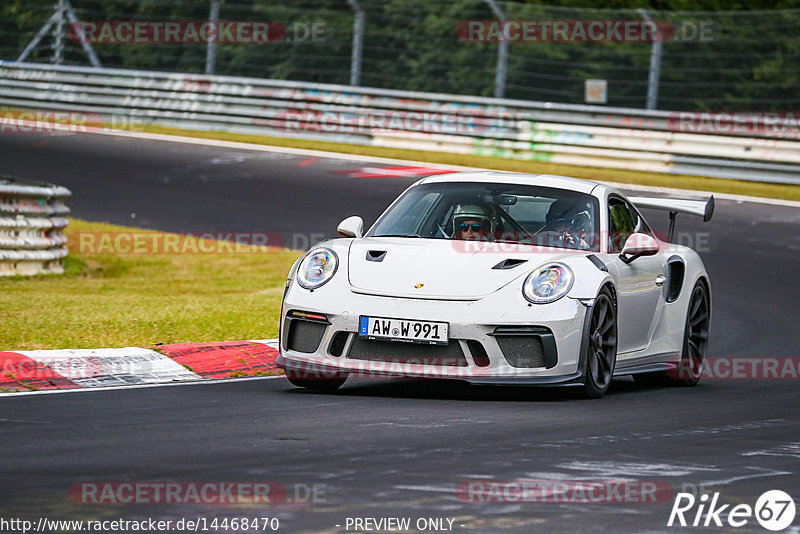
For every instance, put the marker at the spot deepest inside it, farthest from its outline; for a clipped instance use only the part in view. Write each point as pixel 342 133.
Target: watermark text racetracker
pixel 600 30
pixel 148 242
pixel 402 366
pixel 202 493
pixel 508 241
pixel 46 121
pixel 763 123
pixel 377 121
pixel 74 367
pixel 564 491
pixel 195 32
pixel 743 368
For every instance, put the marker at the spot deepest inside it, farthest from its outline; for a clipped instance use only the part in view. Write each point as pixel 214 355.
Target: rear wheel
pixel 695 345
pixel 601 346
pixel 695 339
pixel 311 380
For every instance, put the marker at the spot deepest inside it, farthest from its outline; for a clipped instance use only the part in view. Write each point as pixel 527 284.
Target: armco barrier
pixel 560 133
pixel 32 221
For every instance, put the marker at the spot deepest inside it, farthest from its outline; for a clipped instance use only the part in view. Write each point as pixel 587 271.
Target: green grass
pixel 106 300
pixel 716 185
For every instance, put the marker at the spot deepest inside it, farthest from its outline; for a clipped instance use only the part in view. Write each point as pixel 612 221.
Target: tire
pixel 695 345
pixel 600 349
pixel 322 383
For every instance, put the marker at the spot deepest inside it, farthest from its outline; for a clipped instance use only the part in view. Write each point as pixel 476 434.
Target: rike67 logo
pixel 774 510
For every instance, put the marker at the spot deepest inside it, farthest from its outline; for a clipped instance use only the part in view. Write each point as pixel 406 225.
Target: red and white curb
pixel 41 370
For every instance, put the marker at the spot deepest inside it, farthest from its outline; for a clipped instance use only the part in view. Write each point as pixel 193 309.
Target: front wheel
pixel 311 380
pixel 601 346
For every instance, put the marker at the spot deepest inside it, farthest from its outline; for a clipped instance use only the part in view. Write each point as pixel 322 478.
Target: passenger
pixel 572 222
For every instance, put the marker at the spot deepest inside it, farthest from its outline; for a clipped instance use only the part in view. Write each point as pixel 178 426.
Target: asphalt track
pixel 399 448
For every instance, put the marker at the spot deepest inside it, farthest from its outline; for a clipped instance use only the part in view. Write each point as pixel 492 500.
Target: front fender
pixel 589 278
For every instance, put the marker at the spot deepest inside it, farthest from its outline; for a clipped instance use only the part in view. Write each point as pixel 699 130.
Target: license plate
pixel 427 332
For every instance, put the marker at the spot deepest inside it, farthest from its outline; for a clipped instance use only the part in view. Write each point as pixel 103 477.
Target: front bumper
pixel 500 339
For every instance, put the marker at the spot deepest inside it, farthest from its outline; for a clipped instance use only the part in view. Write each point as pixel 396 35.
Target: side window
pixel 622 222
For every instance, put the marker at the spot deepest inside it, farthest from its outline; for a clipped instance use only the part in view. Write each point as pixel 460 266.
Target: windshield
pixel 525 214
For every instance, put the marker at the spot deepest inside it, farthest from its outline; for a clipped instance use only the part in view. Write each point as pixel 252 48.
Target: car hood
pixel 439 268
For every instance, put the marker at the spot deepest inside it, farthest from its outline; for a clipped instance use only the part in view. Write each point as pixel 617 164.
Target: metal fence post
pixel 58 33
pixel 211 48
pixel 63 8
pixel 87 46
pixel 38 37
pixel 502 52
pixel 655 64
pixel 358 43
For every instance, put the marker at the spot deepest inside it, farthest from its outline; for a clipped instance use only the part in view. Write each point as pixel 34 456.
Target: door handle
pixel 660 279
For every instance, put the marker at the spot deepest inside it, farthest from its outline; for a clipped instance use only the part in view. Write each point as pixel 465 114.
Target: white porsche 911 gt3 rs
pixel 501 278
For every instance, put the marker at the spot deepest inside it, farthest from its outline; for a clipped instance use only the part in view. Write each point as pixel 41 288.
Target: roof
pixel 544 180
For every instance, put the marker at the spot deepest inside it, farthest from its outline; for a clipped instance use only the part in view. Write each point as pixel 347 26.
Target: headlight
pixel 548 283
pixel 317 267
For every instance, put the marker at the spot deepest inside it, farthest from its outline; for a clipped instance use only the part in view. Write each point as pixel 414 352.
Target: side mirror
pixel 638 245
pixel 351 227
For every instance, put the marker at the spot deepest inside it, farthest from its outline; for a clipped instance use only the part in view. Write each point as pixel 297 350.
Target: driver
pixel 471 223
pixel 572 221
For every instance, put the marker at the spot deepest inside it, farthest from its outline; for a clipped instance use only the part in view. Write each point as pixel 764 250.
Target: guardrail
pixel 32 222
pixel 594 136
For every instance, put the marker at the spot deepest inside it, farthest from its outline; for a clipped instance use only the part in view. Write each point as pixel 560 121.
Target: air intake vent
pixel 305 336
pixel 337 344
pixel 675 275
pixel 449 355
pixel 509 263
pixel 597 262
pixel 376 255
pixel 479 355
pixel 522 351
pixel 527 346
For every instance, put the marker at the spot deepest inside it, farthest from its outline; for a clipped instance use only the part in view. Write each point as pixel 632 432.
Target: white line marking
pixel 745 477
pixel 790 450
pixel 202 381
pixel 436 489
pixel 28 421
pixel 284 150
pixel 648 436
pixel 375 159
pixel 611 469
pixel 272 343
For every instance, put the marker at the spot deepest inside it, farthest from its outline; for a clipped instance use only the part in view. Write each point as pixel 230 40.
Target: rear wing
pixel 700 208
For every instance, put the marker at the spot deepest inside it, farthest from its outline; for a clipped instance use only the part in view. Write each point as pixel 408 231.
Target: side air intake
pixel 509 263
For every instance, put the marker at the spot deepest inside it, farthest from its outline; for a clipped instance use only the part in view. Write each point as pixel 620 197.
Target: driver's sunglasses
pixel 475 227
